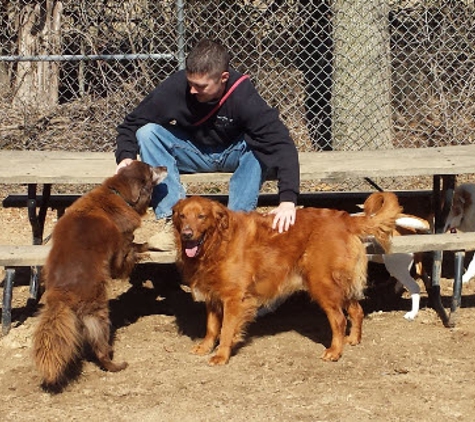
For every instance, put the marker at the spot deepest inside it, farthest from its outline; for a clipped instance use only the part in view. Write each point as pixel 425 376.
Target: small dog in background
pixel 462 217
pixel 399 265
pixel 92 243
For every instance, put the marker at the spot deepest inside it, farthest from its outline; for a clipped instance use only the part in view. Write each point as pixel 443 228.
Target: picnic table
pixel 442 164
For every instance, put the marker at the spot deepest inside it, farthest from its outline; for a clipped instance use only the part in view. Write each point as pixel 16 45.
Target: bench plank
pixel 433 242
pixel 68 167
pixel 24 255
pixel 30 255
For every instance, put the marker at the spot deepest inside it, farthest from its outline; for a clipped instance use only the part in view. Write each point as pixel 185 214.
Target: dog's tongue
pixel 191 252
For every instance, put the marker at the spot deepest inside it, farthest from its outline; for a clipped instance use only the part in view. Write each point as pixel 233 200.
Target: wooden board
pixel 93 167
pixel 36 255
pixel 29 255
pixel 23 256
pixel 433 242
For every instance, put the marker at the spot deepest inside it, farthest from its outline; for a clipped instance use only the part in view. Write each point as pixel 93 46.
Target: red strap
pixel 221 101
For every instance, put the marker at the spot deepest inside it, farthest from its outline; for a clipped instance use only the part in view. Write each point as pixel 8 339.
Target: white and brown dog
pixel 399 265
pixel 462 217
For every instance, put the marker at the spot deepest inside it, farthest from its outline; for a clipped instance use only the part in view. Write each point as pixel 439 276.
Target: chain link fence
pixel 343 74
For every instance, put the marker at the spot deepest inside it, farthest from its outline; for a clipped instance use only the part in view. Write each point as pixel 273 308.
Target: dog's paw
pixel 330 355
pixel 410 316
pixel 141 247
pixel 115 367
pixel 353 340
pixel 218 360
pixel 202 349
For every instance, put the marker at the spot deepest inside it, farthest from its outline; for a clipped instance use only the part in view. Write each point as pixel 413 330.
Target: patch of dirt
pixel 402 371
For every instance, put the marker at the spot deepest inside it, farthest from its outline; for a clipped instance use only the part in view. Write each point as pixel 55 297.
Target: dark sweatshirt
pixel 243 114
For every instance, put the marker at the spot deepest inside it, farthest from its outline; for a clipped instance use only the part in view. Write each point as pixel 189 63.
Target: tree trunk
pixel 361 106
pixel 39 33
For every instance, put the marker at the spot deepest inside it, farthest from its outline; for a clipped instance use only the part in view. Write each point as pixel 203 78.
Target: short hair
pixel 207 57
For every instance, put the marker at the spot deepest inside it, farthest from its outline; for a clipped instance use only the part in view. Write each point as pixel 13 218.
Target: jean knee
pixel 144 133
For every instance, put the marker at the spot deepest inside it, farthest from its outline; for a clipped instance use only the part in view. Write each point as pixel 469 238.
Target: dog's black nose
pixel 187 234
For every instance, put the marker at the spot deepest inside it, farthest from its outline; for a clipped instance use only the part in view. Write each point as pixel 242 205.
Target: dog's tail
pixel 56 341
pixel 381 210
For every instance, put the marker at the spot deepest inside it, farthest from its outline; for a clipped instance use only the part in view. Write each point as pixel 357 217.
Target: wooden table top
pixel 18 167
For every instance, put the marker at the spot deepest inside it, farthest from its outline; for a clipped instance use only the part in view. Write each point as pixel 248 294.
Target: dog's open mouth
pixel 192 248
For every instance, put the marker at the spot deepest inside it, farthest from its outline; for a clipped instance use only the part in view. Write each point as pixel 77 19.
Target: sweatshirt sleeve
pixel 270 140
pixel 127 145
pixel 156 107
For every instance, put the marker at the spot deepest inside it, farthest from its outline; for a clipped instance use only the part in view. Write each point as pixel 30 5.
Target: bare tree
pixel 362 79
pixel 38 26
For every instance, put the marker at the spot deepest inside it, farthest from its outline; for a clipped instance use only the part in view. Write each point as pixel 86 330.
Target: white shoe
pixel 164 240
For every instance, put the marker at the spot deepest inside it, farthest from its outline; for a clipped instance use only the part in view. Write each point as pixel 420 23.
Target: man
pixel 209 118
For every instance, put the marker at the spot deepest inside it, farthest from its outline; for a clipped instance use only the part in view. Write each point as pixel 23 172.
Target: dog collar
pixel 119 194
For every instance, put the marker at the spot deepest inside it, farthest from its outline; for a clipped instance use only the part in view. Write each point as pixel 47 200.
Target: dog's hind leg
pixel 331 300
pixel 399 265
pixel 356 315
pixel 338 322
pixel 97 330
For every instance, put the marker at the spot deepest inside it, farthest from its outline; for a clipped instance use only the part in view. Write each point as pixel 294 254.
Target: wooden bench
pixel 46 168
pixel 35 255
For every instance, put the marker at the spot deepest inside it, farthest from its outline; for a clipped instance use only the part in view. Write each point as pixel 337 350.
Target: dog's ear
pixel 136 187
pixel 221 216
pixel 158 174
pixel 176 210
pixel 129 181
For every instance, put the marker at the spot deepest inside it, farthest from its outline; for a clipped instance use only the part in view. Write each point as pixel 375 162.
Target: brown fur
pixel 236 263
pixel 92 243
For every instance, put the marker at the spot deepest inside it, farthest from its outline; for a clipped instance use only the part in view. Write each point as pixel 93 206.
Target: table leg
pixel 442 198
pixel 37 221
pixel 7 300
pixel 457 294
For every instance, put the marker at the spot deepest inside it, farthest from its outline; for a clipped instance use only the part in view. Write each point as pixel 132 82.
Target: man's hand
pixel 124 163
pixel 284 216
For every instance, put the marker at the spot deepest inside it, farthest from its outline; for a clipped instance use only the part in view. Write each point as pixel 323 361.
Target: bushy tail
pixel 381 210
pixel 56 341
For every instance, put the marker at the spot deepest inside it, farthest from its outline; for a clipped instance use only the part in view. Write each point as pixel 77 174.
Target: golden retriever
pixel 92 243
pixel 236 263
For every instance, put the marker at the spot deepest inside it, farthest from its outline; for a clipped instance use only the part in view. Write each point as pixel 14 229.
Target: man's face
pixel 205 88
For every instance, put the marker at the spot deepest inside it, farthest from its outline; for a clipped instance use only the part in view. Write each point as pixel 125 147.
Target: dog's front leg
pixel 214 317
pixel 233 321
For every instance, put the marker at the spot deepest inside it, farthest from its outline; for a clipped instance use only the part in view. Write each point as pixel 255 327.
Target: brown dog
pixel 92 243
pixel 236 263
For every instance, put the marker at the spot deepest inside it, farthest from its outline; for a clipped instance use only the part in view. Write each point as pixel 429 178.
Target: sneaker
pixel 164 240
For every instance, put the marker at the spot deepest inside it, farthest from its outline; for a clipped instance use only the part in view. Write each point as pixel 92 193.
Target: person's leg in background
pixel 247 179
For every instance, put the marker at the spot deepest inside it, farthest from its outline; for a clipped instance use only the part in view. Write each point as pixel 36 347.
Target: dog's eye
pixel 201 216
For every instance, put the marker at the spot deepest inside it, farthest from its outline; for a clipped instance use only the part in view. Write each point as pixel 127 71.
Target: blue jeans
pixel 159 146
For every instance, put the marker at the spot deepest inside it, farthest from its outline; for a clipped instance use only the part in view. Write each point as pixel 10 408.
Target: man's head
pixel 207 70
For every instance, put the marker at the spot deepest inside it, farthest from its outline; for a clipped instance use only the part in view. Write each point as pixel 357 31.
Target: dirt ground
pixel 402 371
